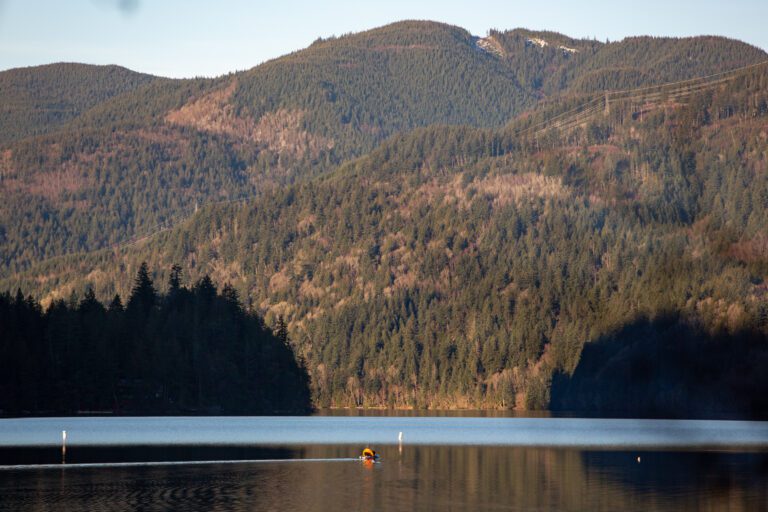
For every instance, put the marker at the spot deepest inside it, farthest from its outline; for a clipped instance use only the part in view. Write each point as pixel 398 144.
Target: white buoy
pixel 400 437
pixel 63 446
pixel 638 459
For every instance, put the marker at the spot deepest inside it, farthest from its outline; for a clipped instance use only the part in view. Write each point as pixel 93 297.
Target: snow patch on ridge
pixel 489 45
pixel 537 42
pixel 541 43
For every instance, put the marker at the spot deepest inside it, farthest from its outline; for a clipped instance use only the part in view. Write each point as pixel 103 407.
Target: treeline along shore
pixel 193 350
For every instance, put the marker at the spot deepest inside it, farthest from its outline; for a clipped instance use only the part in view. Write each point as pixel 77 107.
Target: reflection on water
pixel 436 478
pixel 456 413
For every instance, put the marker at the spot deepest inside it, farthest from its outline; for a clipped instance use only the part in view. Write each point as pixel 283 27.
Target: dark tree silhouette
pixel 143 295
pixel 195 352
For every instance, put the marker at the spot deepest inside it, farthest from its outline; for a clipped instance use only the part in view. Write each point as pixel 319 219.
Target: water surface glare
pixel 329 430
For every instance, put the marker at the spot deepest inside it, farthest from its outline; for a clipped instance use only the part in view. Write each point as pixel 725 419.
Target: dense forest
pixel 190 351
pixel 139 153
pixel 37 100
pixel 655 368
pixel 438 258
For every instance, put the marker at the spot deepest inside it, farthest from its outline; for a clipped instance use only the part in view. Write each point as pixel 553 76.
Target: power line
pixel 581 113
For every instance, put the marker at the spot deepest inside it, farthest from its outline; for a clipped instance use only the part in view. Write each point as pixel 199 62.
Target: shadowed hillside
pixel 664 368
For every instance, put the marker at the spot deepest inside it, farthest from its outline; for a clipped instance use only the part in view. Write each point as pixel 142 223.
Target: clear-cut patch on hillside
pixel 280 131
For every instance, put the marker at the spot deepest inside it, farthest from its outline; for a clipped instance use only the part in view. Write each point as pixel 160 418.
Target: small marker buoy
pixel 400 437
pixel 63 446
pixel 638 459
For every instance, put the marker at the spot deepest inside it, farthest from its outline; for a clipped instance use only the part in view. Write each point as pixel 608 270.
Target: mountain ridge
pixel 463 267
pixel 260 138
pixel 404 201
pixel 266 140
pixel 37 99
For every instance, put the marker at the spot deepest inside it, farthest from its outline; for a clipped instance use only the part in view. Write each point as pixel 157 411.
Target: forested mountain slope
pixel 39 99
pixel 549 63
pixel 464 267
pixel 131 163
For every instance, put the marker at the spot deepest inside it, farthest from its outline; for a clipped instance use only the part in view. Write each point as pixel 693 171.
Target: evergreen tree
pixel 143 295
pixel 115 305
pixel 211 358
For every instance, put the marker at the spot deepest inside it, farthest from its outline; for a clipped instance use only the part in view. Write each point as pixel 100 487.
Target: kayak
pixel 369 455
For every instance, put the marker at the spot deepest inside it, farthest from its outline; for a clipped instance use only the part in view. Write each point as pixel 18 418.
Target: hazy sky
pixel 183 38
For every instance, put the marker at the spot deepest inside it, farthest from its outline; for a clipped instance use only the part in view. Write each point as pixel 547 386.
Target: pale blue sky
pixel 183 38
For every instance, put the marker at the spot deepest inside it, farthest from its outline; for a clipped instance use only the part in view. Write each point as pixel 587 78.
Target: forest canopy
pixel 192 350
pixel 438 220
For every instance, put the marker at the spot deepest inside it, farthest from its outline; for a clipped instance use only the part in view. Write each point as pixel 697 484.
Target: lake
pixel 443 463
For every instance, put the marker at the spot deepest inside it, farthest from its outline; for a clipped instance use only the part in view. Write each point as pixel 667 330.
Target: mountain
pixel 146 157
pixel 442 220
pixel 468 267
pixel 549 63
pixel 37 100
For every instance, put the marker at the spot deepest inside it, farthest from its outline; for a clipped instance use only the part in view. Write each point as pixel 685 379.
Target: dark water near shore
pixel 450 470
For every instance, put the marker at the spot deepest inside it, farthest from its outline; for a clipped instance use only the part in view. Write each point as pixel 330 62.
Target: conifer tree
pixel 143 295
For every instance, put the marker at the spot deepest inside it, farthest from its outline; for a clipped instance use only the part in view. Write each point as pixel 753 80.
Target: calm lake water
pixel 444 463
